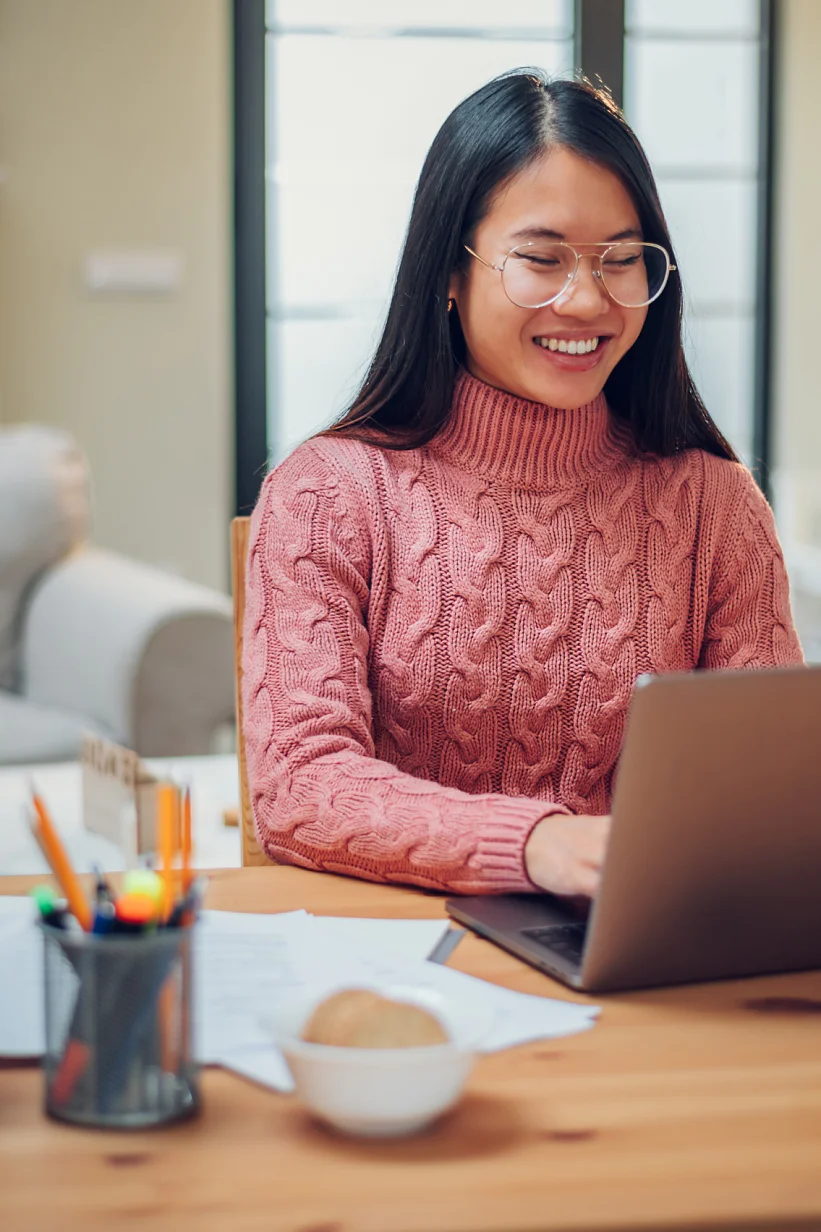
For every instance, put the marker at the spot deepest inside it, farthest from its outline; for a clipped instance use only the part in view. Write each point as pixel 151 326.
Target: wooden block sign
pixel 120 797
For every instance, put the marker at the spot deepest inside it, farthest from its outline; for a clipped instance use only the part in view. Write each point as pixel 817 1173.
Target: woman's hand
pixel 564 854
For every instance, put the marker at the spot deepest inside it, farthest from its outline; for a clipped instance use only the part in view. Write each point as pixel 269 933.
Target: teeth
pixel 573 346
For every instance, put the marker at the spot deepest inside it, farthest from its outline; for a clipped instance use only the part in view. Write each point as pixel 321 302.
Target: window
pixel 692 96
pixel 355 94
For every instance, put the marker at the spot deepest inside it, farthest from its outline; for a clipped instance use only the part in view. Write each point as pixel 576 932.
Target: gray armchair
pixel 91 641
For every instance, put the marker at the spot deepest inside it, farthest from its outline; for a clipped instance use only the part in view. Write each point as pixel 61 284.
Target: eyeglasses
pixel 534 275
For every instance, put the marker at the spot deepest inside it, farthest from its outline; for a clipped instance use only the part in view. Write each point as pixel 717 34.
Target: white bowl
pixel 381 1092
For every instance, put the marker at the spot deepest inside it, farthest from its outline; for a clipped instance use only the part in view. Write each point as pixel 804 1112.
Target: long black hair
pixel 407 394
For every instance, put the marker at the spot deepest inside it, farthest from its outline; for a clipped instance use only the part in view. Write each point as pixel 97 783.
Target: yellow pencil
pixel 57 856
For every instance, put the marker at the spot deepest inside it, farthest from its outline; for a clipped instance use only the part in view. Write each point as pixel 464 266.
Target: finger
pixel 596 845
pixel 587 883
pixel 591 856
pixel 601 829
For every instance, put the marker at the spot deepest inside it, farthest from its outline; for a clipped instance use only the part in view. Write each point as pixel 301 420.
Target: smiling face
pixel 524 350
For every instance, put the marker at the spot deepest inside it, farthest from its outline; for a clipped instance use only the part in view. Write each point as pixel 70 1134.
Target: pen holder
pixel 118 1028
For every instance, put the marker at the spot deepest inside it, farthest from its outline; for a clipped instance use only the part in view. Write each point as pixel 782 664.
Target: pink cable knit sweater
pixel 440 644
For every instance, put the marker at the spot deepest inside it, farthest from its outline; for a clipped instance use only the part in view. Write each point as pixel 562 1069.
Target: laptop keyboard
pixel 564 939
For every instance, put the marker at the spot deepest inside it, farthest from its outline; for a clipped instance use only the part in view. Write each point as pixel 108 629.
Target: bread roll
pixel 357 1018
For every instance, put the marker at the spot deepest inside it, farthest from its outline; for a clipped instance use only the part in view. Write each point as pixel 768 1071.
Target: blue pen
pixel 104 916
pixel 53 910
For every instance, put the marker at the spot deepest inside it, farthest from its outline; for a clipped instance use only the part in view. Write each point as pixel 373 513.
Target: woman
pixel 453 590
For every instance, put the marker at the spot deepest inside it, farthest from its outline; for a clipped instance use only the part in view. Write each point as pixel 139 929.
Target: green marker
pixel 45 896
pixel 52 908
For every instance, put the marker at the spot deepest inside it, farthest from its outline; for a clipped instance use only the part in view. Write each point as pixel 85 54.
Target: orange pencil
pixel 186 840
pixel 166 818
pixel 167 805
pixel 57 856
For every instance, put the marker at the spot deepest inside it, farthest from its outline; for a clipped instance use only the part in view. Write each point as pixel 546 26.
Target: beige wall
pixel 115 134
pixel 797 390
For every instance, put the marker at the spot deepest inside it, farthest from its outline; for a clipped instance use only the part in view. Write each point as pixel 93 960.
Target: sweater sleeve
pixel 749 621
pixel 321 798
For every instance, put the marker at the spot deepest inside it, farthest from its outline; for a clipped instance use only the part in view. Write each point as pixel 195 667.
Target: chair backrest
pixel 251 851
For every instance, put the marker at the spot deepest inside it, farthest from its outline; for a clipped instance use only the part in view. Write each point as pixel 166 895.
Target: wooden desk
pixel 683 1108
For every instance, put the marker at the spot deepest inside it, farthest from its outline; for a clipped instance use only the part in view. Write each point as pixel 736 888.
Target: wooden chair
pixel 251 851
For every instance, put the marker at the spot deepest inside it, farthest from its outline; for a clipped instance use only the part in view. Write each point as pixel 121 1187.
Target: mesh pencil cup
pixel 118 1028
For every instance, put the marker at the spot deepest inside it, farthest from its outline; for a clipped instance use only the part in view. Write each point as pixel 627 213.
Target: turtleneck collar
pixel 526 444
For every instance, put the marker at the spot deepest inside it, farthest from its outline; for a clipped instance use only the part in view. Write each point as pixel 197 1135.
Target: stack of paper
pixel 246 964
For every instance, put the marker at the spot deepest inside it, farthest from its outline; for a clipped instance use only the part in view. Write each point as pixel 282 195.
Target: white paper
pixel 242 969
pixel 227 922
pixel 22 1027
pixel 16 910
pixel 514 1018
pixel 402 938
pixel 245 964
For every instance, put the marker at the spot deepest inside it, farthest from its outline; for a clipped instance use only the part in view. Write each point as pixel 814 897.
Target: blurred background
pixel 202 204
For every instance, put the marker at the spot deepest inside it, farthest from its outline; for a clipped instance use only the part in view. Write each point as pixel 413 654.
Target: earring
pixel 451 302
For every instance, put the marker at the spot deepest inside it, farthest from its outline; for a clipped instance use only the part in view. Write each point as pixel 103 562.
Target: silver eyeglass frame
pixel 571 278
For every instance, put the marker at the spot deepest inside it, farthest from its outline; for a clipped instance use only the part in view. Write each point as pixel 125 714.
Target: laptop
pixel 713 866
